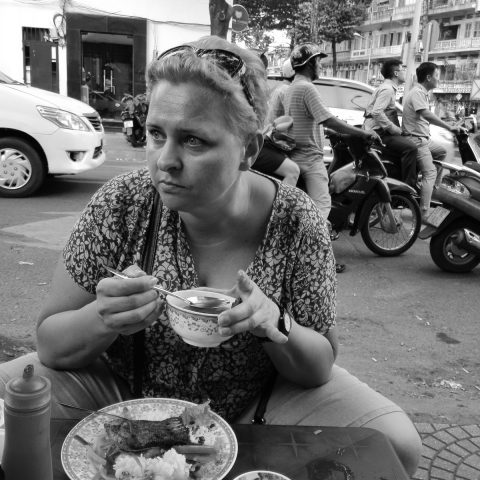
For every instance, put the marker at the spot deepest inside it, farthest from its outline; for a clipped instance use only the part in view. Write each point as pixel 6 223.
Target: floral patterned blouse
pixel 294 265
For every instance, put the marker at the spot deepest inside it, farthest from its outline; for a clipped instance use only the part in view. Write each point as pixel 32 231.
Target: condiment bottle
pixel 27 453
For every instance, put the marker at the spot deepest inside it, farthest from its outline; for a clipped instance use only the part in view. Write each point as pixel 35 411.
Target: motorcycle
pixel 366 200
pixel 454 226
pixel 462 140
pixel 134 116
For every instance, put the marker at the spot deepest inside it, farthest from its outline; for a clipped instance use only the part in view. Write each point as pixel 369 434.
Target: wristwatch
pixel 284 324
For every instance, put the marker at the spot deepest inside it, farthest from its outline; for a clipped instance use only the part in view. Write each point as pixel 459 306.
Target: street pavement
pixel 450 451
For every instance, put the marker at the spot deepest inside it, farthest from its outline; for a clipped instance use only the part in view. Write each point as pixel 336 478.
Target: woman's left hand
pixel 256 313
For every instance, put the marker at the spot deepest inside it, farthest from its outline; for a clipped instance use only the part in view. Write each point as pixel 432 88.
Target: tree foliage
pixel 271 14
pixel 264 16
pixel 332 21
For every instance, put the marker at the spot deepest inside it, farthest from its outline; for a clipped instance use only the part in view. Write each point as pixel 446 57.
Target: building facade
pixel 93 51
pixel 453 43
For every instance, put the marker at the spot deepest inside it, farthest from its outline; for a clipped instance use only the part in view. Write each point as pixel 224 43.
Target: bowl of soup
pixel 196 326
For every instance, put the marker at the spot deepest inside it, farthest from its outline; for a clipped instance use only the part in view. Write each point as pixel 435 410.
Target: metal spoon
pixel 201 302
pixel 96 412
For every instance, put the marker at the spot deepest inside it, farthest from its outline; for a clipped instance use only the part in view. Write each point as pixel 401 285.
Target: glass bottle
pixel 27 452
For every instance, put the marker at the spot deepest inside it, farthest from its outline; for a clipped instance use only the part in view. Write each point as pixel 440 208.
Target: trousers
pixel 428 150
pixel 403 152
pixel 343 401
pixel 315 176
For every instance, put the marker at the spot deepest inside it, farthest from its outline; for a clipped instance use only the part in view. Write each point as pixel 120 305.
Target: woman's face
pixel 194 159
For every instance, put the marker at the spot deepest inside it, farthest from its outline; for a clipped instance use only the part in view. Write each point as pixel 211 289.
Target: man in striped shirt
pixel 303 103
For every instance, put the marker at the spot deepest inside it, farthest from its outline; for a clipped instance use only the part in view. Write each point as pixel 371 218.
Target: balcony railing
pixel 394 50
pixel 386 15
pixel 406 12
pixel 340 56
pixel 449 6
pixel 453 87
pixel 459 44
pixel 401 13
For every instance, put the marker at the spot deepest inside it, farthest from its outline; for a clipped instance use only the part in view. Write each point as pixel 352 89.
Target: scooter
pixel 134 116
pixel 464 141
pixel 454 227
pixel 366 200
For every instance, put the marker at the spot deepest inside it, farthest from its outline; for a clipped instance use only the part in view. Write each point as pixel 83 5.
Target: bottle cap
pixel 28 392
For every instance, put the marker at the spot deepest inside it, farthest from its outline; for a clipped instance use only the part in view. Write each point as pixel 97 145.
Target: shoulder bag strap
pixel 147 266
pixel 259 415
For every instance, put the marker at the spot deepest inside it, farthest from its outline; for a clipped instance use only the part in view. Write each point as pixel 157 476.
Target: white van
pixel 43 133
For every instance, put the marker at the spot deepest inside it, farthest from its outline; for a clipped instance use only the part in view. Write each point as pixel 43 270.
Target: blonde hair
pixel 186 67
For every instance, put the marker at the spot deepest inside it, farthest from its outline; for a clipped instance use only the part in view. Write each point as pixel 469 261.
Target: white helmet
pixel 287 70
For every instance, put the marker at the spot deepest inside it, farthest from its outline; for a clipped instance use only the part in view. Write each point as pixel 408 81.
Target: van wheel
pixel 22 171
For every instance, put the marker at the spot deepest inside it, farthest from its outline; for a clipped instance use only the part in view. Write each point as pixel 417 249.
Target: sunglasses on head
pixel 229 62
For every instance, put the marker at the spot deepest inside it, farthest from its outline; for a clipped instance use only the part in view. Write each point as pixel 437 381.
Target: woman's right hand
pixel 126 306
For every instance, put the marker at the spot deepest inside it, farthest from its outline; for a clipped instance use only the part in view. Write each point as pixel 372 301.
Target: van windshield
pixel 6 79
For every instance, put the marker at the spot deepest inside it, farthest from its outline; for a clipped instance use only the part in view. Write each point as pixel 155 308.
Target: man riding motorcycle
pixel 416 121
pixel 304 104
pixel 381 116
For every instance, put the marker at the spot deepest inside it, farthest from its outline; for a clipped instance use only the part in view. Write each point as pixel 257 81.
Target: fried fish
pixel 135 435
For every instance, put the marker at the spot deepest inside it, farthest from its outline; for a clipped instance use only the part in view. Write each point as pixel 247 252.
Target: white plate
pixel 77 466
pixel 261 475
pixel 437 216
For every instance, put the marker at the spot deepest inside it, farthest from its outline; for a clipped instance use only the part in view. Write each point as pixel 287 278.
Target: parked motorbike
pixel 454 227
pixel 134 116
pixel 366 200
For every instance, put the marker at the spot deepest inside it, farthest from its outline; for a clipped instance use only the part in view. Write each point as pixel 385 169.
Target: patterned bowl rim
pixel 169 298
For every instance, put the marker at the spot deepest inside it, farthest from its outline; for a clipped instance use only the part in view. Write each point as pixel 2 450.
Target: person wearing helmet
pixel 304 104
pixel 278 95
pixel 271 160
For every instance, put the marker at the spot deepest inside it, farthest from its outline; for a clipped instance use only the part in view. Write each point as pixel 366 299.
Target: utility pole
pixel 412 47
pixel 314 22
pixel 427 34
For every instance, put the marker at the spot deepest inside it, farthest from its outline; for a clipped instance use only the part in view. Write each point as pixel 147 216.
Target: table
pixel 300 453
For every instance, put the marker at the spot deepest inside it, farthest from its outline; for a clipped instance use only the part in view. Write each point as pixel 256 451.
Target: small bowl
pixel 196 328
pixel 261 475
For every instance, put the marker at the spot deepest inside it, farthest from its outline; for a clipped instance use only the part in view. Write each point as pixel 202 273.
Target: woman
pixel 224 227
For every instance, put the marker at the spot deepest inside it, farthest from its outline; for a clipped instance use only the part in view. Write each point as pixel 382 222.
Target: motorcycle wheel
pixel 448 256
pixel 22 168
pixel 406 211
